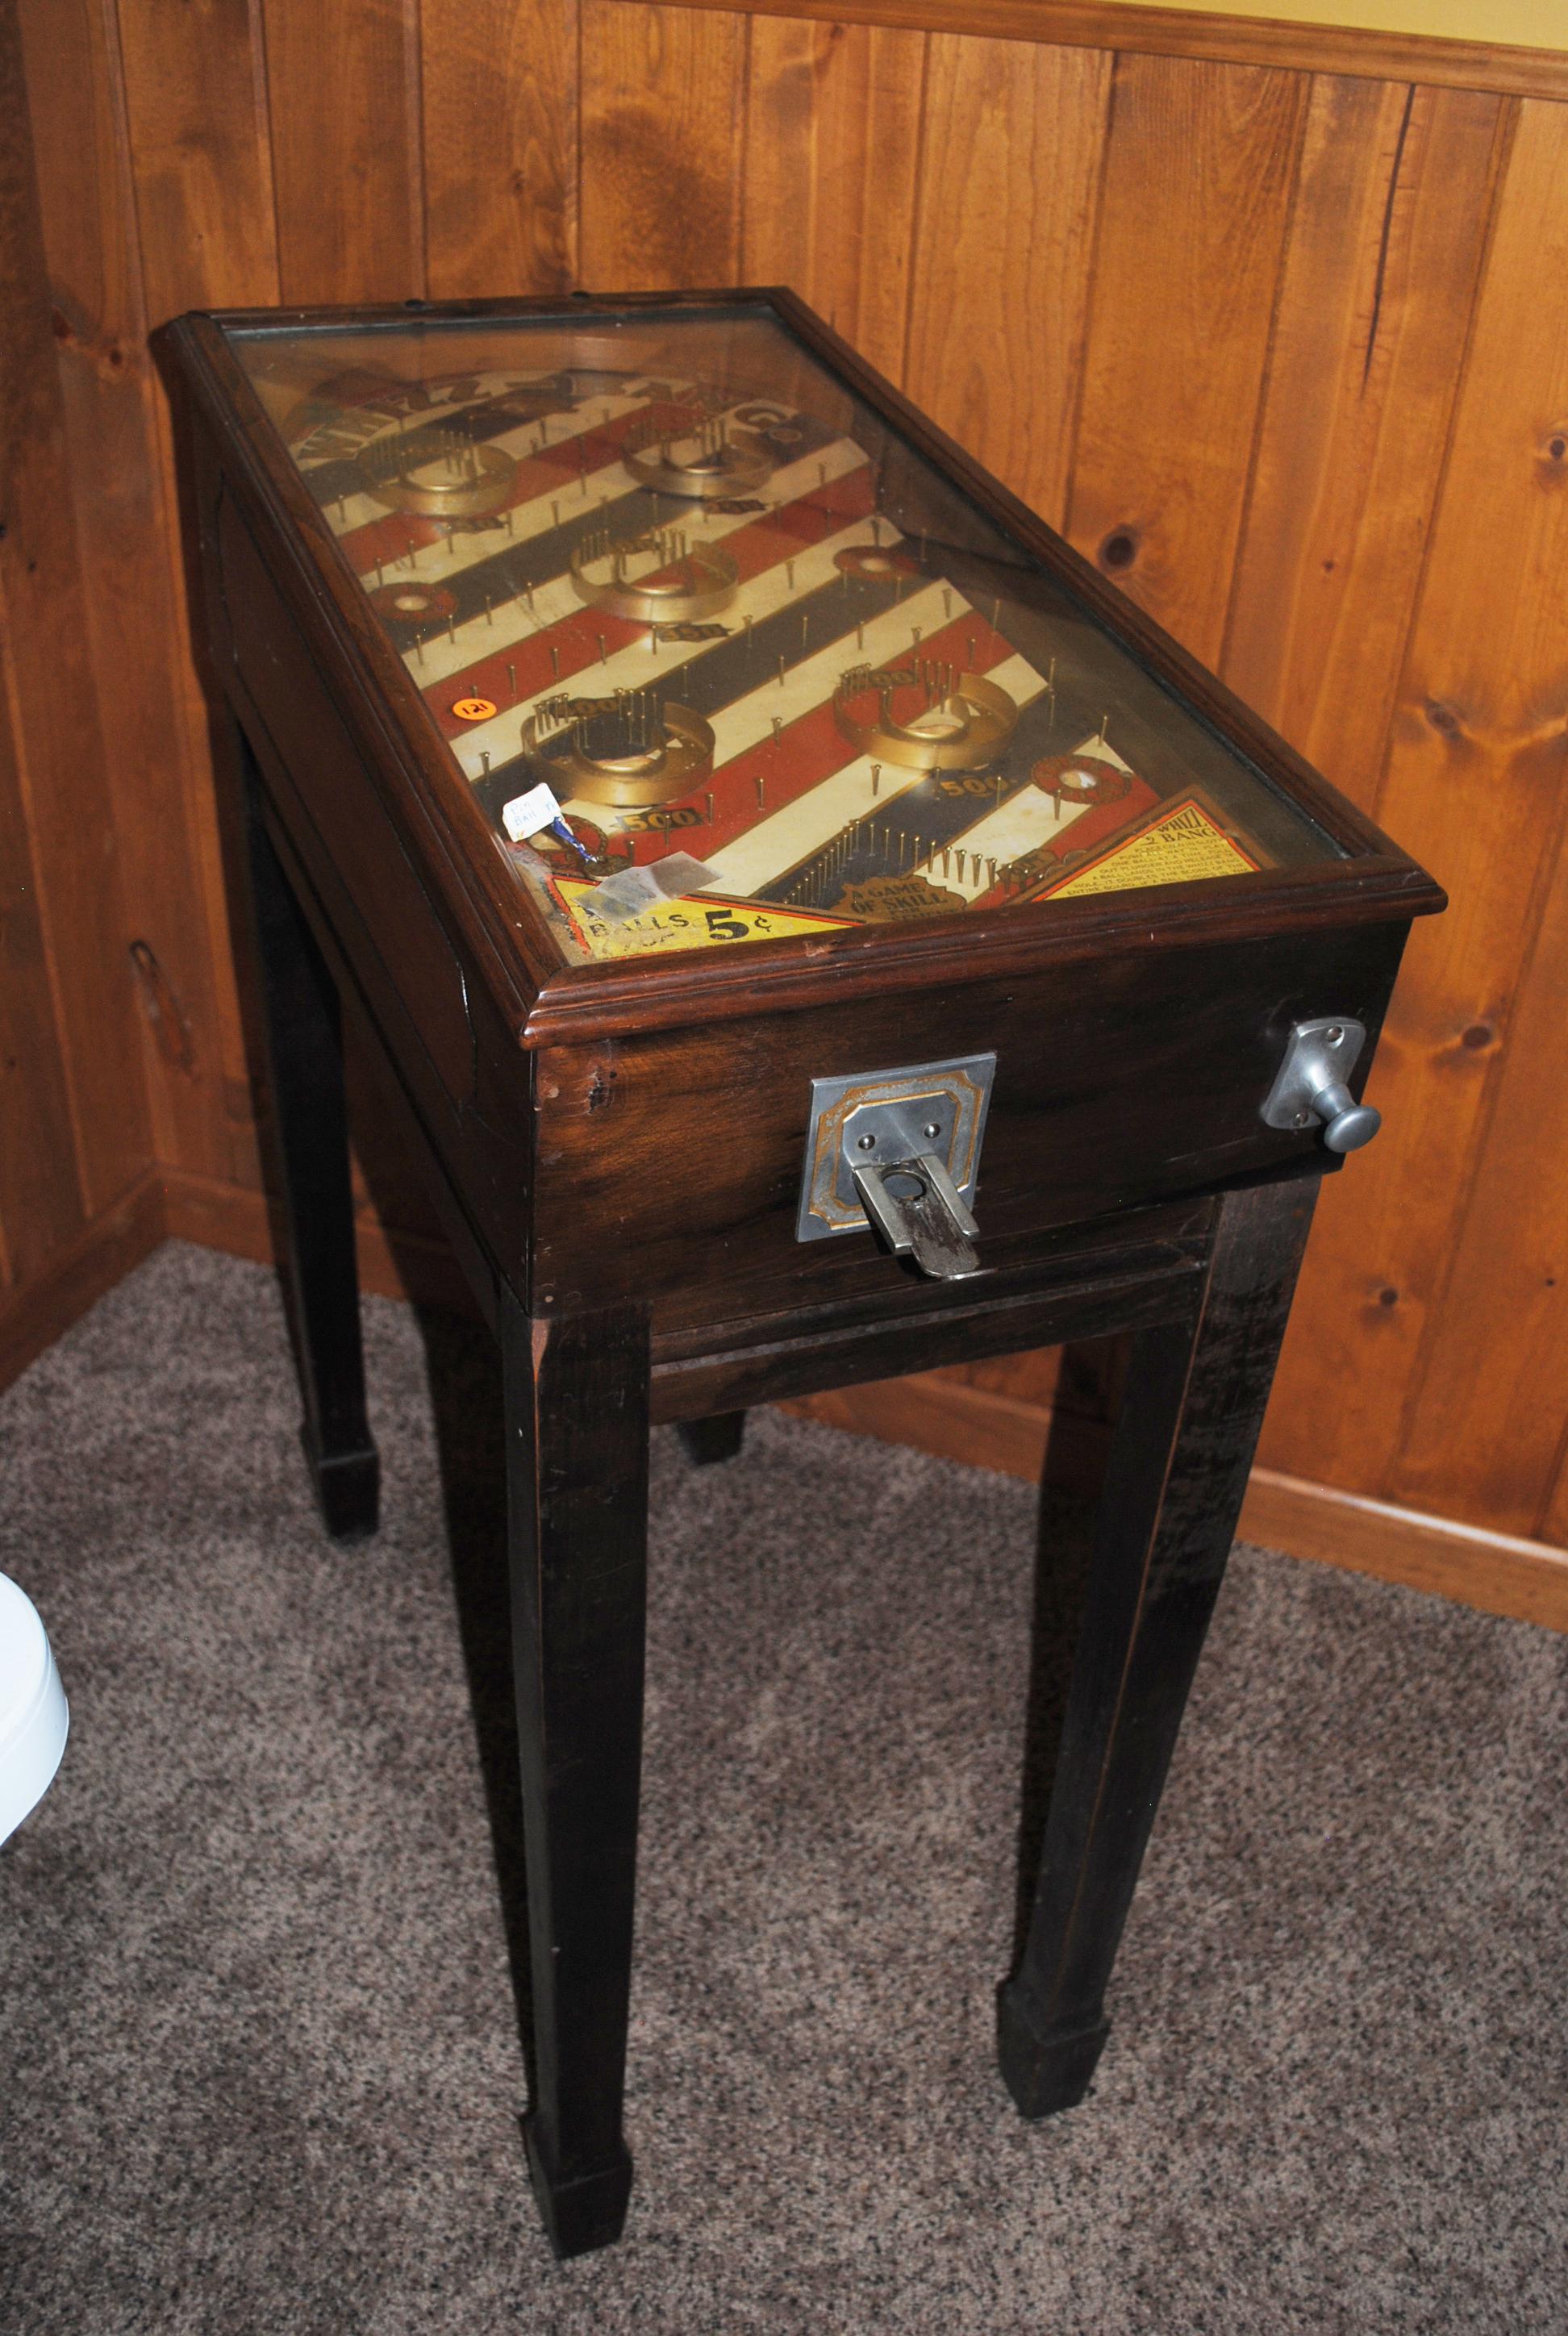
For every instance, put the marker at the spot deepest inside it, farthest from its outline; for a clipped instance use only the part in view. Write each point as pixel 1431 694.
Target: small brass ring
pixel 1106 783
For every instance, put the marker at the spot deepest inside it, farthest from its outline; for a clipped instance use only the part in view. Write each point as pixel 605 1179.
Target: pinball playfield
pixel 722 666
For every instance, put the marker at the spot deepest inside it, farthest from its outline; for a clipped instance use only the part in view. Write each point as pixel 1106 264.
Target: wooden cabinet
pixel 702 775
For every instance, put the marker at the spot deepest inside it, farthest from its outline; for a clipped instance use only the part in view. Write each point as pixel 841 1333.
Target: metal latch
pixel 1310 1089
pixel 915 1208
pixel 900 1149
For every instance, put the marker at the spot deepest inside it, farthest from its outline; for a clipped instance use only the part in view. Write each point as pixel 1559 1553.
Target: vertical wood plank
pixel 157 196
pixel 1378 282
pixel 1474 788
pixel 343 100
pixel 499 113
pixel 195 95
pixel 1484 1437
pixel 833 140
pixel 59 852
pixel 42 1200
pixel 1198 180
pixel 1553 1526
pixel 40 1197
pixel 663 108
pixel 1013 140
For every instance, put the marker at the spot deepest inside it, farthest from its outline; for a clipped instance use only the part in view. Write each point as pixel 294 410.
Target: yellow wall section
pixel 1529 24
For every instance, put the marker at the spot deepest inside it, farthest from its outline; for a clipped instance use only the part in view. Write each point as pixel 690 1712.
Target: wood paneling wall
pixel 75 1136
pixel 1273 325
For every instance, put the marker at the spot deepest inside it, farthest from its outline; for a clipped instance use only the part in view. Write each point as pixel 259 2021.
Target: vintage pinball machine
pixel 819 929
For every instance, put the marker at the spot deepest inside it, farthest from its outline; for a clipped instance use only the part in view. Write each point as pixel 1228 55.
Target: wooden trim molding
pixel 1431 58
pixel 1497 1574
pixel 173 1204
pixel 79 1275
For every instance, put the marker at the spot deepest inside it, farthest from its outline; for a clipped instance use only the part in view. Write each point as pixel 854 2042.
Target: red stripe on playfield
pixel 766 544
pixel 806 752
pixel 391 538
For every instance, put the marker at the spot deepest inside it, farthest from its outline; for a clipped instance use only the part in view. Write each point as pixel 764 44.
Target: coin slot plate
pixel 894 1109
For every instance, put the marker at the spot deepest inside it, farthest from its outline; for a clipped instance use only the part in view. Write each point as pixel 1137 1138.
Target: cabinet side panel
pixel 672 1163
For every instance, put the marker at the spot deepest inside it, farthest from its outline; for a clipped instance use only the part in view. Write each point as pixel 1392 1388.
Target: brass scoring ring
pixel 635 781
pixel 685 582
pixel 700 462
pixel 962 731
pixel 437 475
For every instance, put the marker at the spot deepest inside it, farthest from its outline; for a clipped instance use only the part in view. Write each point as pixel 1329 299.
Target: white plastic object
pixel 34 1716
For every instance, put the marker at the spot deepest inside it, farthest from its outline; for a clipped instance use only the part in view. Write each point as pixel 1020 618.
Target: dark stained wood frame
pixel 558 1004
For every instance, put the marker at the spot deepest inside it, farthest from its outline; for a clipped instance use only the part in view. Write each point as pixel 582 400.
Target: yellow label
pixel 473 709
pixel 1180 845
pixel 687 921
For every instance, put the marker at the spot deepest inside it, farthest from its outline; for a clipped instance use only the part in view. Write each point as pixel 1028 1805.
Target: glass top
pixel 722 658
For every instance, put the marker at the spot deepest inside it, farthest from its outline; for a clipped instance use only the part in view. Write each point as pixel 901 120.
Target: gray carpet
pixel 258 2056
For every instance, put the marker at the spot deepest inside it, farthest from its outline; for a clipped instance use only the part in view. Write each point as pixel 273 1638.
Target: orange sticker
pixel 473 709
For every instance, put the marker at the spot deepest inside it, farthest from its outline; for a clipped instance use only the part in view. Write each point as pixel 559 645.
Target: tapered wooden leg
pixel 304 1038
pixel 1178 1468
pixel 717 1438
pixel 577 1394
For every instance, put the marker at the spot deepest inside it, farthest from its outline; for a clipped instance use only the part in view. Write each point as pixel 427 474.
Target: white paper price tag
pixel 524 815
